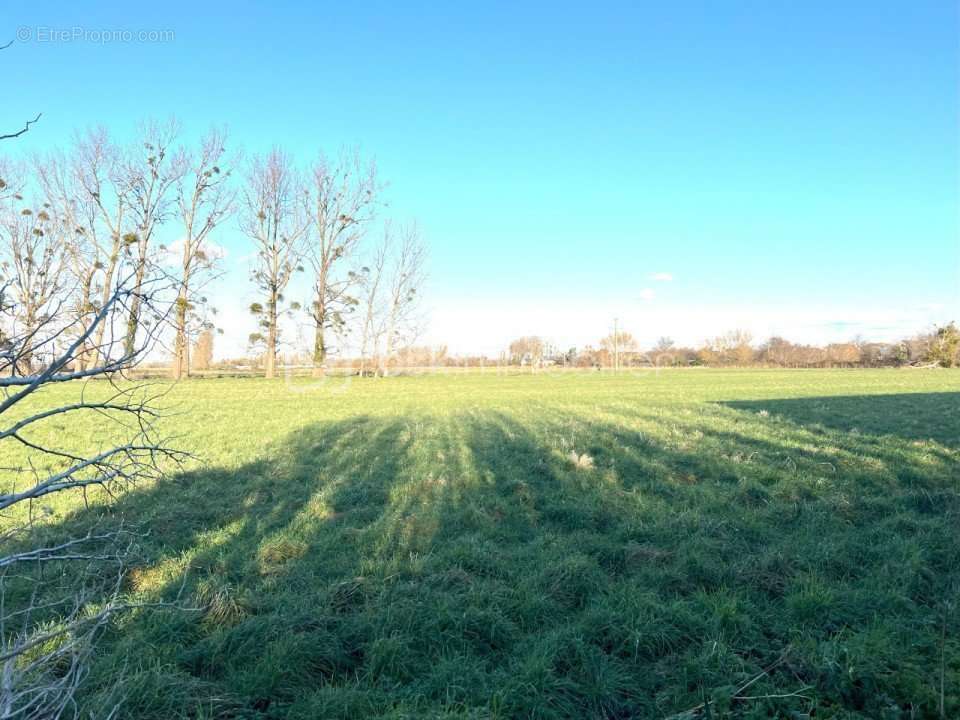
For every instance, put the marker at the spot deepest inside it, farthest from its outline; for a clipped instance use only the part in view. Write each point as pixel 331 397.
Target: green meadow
pixel 690 543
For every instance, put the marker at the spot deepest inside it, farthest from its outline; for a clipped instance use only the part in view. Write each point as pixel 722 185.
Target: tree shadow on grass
pixel 912 416
pixel 528 565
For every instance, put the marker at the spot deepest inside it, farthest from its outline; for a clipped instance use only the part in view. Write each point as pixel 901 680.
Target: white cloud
pixel 662 277
pixel 648 294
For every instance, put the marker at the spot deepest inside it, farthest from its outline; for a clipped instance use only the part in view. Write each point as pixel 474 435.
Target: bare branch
pixel 26 126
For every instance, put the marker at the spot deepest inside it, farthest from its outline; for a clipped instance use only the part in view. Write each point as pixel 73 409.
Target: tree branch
pixel 26 126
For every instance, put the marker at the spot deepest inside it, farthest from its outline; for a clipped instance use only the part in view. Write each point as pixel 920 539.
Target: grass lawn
pixel 547 546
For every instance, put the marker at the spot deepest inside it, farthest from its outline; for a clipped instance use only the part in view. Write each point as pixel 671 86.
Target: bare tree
pixel 371 282
pixel 664 352
pixel 204 200
pixel 274 217
pixel 527 350
pixel 390 286
pixel 405 286
pixel 110 201
pixel 664 345
pixel 343 202
pixel 737 346
pixel 106 193
pixel 619 346
pixel 151 171
pixel 622 340
pixel 86 252
pixel 734 348
pixel 203 350
pixel 31 248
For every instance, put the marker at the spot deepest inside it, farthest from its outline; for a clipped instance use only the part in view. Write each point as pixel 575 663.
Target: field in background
pixel 550 545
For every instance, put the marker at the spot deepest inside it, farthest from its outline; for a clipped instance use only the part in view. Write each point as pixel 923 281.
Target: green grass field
pixel 770 543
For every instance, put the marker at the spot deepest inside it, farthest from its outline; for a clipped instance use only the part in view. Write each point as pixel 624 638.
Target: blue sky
pixel 793 167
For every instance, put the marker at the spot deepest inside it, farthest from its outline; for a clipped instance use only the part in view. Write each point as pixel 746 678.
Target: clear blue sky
pixel 792 165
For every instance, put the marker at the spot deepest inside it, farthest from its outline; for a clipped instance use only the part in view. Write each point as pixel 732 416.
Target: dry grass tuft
pixel 581 462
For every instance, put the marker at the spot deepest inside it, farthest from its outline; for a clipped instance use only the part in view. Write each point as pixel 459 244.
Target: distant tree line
pixel 939 347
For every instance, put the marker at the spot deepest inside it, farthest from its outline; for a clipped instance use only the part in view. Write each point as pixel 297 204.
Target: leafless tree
pixel 622 341
pixel 527 349
pixel 151 170
pixel 80 264
pixel 343 200
pixel 618 348
pixel 32 265
pixel 274 217
pixel 104 192
pixel 86 249
pixel 371 282
pixel 204 200
pixel 405 285
pixel 664 345
pixel 390 286
pixel 203 350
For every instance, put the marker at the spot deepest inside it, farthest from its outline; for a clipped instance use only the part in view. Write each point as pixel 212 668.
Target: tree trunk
pixel 363 346
pixel 104 299
pixel 319 342
pixel 385 370
pixel 181 366
pixel 270 362
pixel 86 313
pixel 319 353
pixel 30 328
pixel 133 321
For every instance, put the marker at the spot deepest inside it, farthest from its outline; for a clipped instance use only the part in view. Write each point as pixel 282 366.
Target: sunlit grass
pixel 546 546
